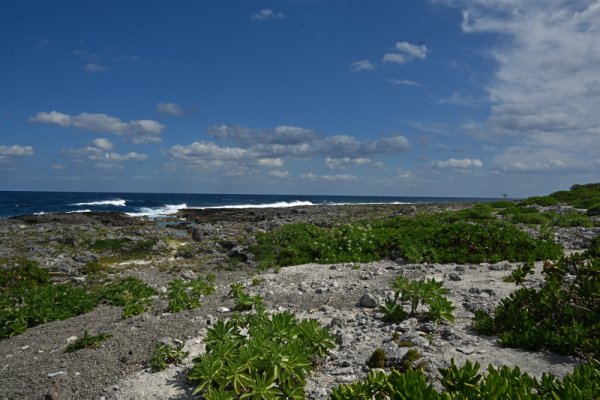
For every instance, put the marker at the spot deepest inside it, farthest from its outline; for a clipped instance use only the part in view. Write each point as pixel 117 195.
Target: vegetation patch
pixel 185 295
pixel 166 354
pixel 130 293
pixel 29 298
pixel 563 316
pixel 270 361
pixel 467 383
pixel 444 237
pixel 425 292
pixel 87 340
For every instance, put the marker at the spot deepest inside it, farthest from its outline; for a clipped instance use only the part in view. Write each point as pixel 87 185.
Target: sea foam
pixel 115 202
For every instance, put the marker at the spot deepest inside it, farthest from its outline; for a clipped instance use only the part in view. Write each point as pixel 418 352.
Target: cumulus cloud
pixel 136 131
pixel 271 148
pixel 545 89
pixel 333 163
pixel 453 163
pixel 266 14
pixel 406 52
pixel 361 65
pixel 283 135
pixel 15 150
pixel 172 109
pixel 94 67
pixel 103 144
pixel 100 152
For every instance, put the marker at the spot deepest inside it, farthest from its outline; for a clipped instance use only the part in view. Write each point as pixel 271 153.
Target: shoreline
pixel 215 241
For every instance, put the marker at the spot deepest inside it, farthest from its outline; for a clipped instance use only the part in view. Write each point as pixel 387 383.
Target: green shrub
pixel 594 209
pixel 564 315
pixel 426 292
pixel 544 201
pixel 130 293
pixel 593 248
pixel 467 383
pixel 165 354
pixel 271 361
pixel 571 219
pixel 87 340
pixel 377 359
pixel 23 308
pixel 424 238
pixel 580 196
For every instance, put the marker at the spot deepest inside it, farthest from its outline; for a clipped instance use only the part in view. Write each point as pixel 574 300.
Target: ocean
pixel 161 205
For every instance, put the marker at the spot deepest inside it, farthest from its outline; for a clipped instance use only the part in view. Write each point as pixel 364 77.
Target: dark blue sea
pixel 157 205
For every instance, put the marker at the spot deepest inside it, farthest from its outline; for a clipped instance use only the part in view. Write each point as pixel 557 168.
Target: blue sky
pixel 424 98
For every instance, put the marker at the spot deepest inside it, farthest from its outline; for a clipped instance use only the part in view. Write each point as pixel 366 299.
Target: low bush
pixel 572 219
pixel 544 201
pixel 166 354
pixel 563 316
pixel 130 293
pixel 424 238
pixel 467 383
pixel 29 298
pixel 271 361
pixel 425 292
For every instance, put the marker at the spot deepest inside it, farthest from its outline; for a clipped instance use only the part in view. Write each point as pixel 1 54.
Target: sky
pixel 469 98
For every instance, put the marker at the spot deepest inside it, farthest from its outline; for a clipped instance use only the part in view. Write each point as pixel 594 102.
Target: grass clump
pixel 563 316
pixel 377 359
pixel 271 361
pixel 467 383
pixel 165 354
pixel 86 341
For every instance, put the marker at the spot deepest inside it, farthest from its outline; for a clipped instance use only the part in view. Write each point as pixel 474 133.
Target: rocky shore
pixel 343 297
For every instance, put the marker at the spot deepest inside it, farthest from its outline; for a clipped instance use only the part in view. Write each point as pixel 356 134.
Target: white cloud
pixel 333 163
pixel 267 15
pixel 457 164
pixel 403 82
pixel 329 178
pixel 136 131
pixel 15 150
pixel 279 174
pixel 100 151
pixel 172 109
pixel 274 147
pixel 406 52
pixel 103 144
pixel 546 87
pixel 526 159
pixel 361 65
pixel 94 67
pixel 283 134
pixel 271 162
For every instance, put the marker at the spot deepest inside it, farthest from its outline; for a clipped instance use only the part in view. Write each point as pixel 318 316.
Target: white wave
pixel 79 211
pixel 279 204
pixel 40 213
pixel 167 209
pixel 115 202
pixel 367 204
